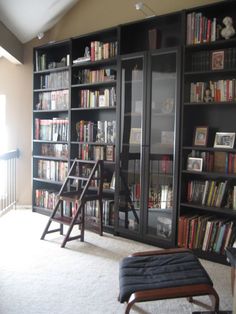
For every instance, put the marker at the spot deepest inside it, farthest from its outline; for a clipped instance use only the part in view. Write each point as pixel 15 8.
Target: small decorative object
pixel 207 95
pixel 217 60
pixel 194 164
pixel 228 31
pixel 200 136
pixel 87 52
pixel 224 140
pixel 168 105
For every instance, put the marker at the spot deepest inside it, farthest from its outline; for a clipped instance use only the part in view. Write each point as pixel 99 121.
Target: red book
pixel 137 191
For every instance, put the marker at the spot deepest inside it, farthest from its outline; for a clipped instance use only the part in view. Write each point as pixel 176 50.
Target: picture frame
pixel 217 60
pixel 200 136
pixel 194 164
pixel 224 140
pixel 135 136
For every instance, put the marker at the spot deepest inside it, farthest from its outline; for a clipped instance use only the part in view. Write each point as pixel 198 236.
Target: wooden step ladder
pixel 84 183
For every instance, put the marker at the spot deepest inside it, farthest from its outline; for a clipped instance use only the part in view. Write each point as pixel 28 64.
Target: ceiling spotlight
pixel 145 9
pixel 40 35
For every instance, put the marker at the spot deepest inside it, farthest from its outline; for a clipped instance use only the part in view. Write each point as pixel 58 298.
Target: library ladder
pixel 83 183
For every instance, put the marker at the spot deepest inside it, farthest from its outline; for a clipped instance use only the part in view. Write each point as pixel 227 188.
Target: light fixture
pixel 40 35
pixel 145 9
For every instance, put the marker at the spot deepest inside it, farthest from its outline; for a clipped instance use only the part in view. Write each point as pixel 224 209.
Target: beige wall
pixel 10 43
pixel 16 80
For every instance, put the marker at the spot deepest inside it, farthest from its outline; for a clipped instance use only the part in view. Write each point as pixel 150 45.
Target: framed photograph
pixel 217 60
pixel 224 140
pixel 194 164
pixel 135 136
pixel 200 136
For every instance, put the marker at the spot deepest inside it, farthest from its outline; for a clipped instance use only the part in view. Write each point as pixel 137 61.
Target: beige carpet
pixel 39 277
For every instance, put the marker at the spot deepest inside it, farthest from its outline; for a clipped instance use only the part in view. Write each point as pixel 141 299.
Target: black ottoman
pixel 163 274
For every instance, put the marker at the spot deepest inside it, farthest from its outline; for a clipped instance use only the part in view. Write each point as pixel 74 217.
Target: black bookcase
pixel 134 96
pixel 147 151
pixel 206 215
pixel 51 103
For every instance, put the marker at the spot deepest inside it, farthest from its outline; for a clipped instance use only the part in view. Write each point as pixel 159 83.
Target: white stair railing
pixel 8 180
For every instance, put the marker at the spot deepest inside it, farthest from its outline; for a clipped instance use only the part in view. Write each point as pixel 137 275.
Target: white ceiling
pixel 27 18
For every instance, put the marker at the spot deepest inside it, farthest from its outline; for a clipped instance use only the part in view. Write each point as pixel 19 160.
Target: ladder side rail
pixel 67 178
pixel 85 189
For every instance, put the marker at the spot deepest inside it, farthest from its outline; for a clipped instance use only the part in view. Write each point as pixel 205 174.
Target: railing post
pixel 8 177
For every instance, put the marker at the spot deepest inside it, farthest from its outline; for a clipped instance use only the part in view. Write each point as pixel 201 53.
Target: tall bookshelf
pixel 51 103
pixel 207 210
pixel 93 109
pixel 149 122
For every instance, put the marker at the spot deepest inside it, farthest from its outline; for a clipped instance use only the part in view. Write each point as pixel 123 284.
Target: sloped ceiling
pixel 27 18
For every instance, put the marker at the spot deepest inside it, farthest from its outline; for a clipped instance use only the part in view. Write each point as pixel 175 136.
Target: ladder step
pixel 78 178
pixel 64 220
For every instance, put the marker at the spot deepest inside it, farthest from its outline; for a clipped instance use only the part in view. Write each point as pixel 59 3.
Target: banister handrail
pixel 11 154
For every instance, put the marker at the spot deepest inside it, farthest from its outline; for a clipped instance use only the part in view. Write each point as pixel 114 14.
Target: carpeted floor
pixel 39 277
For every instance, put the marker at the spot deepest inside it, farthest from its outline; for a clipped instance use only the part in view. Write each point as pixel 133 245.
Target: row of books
pixel 203 60
pixel 54 150
pixel 201 29
pixel 56 80
pixel 161 197
pixel 43 62
pixel 162 166
pixel 100 50
pixel 45 198
pixel 207 233
pixel 222 162
pixel 101 131
pixel 209 192
pixel 54 100
pixel 52 170
pixel 222 90
pixel 98 98
pixel 55 129
pixel 87 76
pixel 91 152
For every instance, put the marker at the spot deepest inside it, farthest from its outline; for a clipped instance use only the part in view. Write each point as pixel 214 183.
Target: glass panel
pixel 131 141
pixel 163 96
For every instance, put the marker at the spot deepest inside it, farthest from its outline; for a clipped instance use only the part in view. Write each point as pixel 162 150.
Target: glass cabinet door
pixel 161 154
pixel 131 138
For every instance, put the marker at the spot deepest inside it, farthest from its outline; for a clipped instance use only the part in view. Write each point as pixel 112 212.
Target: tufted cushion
pixel 160 271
